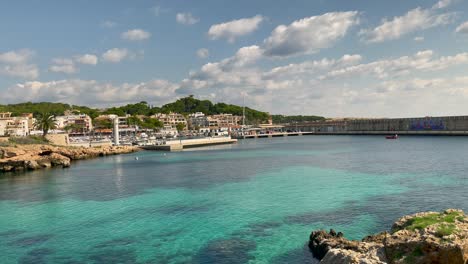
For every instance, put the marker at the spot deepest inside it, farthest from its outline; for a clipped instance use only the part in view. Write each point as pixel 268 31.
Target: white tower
pixel 116 131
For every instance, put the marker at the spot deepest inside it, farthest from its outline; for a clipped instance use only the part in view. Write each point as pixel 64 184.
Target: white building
pixel 15 126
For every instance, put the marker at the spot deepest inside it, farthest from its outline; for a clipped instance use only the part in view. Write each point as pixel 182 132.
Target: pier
pixel 177 145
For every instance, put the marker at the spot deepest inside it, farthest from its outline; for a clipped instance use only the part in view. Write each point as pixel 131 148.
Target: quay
pixel 418 126
pixel 357 133
pixel 177 145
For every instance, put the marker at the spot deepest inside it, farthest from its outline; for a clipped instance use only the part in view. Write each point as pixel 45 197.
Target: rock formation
pixel 33 157
pixel 429 237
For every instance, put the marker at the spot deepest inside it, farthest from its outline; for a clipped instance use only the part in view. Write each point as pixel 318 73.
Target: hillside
pixel 186 105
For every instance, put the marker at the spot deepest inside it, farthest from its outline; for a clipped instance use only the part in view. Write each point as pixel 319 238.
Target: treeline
pixel 184 106
pixel 45 107
pixel 282 119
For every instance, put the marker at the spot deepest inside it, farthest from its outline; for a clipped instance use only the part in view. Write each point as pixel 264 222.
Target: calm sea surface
pixel 253 202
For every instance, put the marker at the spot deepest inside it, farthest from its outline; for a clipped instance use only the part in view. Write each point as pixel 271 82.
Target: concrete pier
pixel 177 145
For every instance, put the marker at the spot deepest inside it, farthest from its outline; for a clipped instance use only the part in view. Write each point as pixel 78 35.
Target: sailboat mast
pixel 243 113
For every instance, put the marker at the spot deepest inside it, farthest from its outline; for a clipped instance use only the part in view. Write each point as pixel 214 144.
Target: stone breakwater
pixel 428 237
pixel 33 157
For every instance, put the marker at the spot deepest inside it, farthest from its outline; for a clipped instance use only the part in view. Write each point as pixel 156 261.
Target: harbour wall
pixel 449 125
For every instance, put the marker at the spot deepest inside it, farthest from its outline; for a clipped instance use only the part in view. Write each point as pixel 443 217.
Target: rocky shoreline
pixel 34 157
pixel 428 237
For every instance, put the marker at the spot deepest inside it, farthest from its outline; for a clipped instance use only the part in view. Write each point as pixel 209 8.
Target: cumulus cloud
pixel 413 21
pixel 17 64
pixel 203 53
pixel 186 19
pixel 91 92
pixel 309 35
pixel 89 59
pixel 463 28
pixel 63 65
pixel 235 28
pixel 135 35
pixel 115 55
pixel 421 61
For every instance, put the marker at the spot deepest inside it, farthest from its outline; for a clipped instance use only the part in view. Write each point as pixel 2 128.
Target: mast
pixel 243 113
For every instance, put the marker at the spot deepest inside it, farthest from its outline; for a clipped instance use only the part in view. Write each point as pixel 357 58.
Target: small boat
pixel 392 137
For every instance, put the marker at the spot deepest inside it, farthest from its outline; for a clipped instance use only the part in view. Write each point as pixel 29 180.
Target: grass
pixel 421 222
pixel 445 230
pixel 29 140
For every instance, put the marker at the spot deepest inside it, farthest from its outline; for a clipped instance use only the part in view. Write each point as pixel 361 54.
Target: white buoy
pixel 136 158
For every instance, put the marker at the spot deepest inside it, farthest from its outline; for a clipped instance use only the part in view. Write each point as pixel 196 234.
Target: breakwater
pixel 176 145
pixel 449 125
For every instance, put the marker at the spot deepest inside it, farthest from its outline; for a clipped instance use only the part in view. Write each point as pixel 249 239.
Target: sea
pixel 256 201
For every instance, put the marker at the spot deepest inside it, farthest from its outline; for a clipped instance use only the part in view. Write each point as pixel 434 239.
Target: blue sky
pixel 333 58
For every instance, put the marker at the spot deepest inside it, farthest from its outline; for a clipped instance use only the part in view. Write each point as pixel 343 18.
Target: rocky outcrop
pixel 33 157
pixel 429 237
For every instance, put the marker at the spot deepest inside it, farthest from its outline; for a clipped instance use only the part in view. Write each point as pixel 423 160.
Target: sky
pixel 335 58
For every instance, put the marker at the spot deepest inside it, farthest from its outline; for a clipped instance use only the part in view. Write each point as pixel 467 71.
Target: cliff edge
pixel 429 237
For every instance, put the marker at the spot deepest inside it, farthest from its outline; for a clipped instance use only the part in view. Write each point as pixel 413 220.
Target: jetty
pixel 178 145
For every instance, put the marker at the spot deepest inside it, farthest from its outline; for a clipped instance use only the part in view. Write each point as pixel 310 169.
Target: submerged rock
pixel 429 237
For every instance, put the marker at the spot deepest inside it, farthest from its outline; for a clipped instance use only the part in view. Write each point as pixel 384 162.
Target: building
pixel 224 121
pixel 19 126
pixel 171 120
pixel 197 120
pixel 77 124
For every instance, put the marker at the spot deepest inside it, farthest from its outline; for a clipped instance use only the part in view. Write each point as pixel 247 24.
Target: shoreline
pixel 22 158
pixel 427 237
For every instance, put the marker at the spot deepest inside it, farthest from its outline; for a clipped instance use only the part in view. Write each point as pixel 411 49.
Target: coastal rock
pixel 32 157
pixel 57 160
pixel 429 237
pixel 32 165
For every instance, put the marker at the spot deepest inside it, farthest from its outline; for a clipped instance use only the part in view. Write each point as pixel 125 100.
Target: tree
pixel 72 127
pixel 180 127
pixel 45 122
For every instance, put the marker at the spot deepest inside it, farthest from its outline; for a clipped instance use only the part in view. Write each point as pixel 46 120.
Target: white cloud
pixel 115 55
pixel 415 20
pixel 235 28
pixel 91 92
pixel 309 35
pixel 203 53
pixel 418 39
pixel 463 28
pixel 442 4
pixel 108 24
pixel 89 59
pixel 135 35
pixel 422 61
pixel 16 57
pixel 17 64
pixel 63 65
pixel 186 19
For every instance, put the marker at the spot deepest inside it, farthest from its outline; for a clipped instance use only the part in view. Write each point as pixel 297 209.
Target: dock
pixel 177 145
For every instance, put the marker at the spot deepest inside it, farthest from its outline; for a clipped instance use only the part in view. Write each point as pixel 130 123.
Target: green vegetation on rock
pixel 421 222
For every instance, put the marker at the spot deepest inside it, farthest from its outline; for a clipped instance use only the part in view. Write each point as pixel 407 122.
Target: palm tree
pixel 45 122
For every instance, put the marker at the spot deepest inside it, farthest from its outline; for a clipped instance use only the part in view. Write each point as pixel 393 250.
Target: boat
pixel 392 137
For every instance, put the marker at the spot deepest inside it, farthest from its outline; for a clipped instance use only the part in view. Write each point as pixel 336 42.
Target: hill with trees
pixel 186 106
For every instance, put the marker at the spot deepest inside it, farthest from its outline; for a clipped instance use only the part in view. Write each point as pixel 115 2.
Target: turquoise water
pixel 253 202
